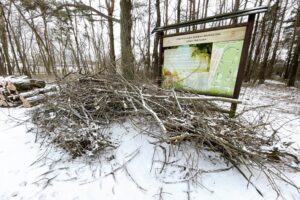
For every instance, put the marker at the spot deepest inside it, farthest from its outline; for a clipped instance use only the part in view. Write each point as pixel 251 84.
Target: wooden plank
pixel 206 37
pixel 213 19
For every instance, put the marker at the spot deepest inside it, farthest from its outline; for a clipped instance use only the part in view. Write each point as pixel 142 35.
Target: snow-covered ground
pixel 277 104
pixel 136 170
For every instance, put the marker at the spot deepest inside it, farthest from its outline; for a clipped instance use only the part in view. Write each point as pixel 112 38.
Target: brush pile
pixel 21 90
pixel 76 115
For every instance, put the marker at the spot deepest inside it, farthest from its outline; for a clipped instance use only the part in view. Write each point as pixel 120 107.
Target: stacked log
pixel 22 91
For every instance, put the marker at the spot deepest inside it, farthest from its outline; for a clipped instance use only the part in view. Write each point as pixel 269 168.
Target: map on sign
pixel 204 62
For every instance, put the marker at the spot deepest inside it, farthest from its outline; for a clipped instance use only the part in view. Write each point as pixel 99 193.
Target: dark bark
pixel 252 45
pixel 290 52
pixel 127 59
pixel 263 68
pixel 155 64
pixel 236 8
pixel 4 41
pixel 259 46
pixel 295 60
pixel 178 13
pixel 7 22
pixel 274 54
pixel 110 5
pixel 205 8
pixel 250 61
pixel 148 59
pixel 166 12
pixel 2 63
pixel 294 66
pixel 193 11
pixel 285 74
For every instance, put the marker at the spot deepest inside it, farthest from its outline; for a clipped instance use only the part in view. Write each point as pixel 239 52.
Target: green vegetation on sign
pixel 209 68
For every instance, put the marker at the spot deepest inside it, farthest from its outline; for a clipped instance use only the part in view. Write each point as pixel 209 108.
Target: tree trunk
pixel 274 54
pixel 263 68
pixel 250 61
pixel 127 59
pixel 252 46
pixel 110 9
pixel 295 61
pixel 19 49
pixel 2 63
pixel 7 22
pixel 193 12
pixel 198 9
pixel 236 8
pixel 148 59
pixel 285 74
pixel 205 8
pixel 294 66
pixel 156 41
pixel 166 12
pixel 178 13
pixel 4 41
pixel 289 57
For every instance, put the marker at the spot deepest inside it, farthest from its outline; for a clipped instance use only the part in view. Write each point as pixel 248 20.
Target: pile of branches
pixel 76 115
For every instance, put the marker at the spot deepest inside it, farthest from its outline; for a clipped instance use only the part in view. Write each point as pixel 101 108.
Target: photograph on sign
pixel 206 62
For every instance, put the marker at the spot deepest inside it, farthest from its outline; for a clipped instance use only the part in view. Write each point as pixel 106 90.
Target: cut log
pixel 27 85
pixel 35 100
pixel 3 103
pixel 14 91
pixel 21 84
pixel 33 93
pixel 2 97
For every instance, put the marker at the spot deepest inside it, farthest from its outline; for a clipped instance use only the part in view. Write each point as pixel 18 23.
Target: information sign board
pixel 204 62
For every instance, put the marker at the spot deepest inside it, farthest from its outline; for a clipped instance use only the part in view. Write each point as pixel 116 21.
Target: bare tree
pixel 110 5
pixel 148 59
pixel 155 64
pixel 127 59
pixel 295 61
pixel 4 41
pixel 166 12
pixel 236 8
pixel 263 68
pixel 178 13
pixel 277 40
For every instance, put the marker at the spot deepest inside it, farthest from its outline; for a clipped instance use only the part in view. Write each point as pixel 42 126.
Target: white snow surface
pixel 134 170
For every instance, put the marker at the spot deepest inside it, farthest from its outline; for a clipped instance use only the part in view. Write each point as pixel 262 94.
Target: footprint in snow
pixel 14 194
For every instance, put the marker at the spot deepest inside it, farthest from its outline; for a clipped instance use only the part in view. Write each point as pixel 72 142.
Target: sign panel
pixel 206 62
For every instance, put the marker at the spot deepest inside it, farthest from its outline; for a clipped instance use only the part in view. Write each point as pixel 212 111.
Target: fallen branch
pixel 196 98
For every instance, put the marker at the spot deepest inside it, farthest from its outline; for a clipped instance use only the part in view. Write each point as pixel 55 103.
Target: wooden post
pixel 243 63
pixel 160 56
